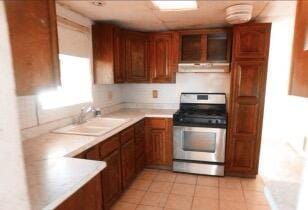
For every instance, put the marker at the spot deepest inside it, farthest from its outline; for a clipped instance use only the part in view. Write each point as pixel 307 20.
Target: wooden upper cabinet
pixel 33 35
pixel 251 41
pixel 162 57
pixel 136 56
pixel 247 98
pixel 106 40
pixel 209 45
pixel 299 75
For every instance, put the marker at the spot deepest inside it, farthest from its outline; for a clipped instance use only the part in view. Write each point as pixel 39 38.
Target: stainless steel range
pixel 199 134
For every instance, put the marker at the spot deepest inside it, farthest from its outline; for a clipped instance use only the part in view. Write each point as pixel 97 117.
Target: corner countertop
pixel 53 175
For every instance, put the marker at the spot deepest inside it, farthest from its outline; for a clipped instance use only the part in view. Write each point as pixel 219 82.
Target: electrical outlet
pixel 154 93
pixel 110 96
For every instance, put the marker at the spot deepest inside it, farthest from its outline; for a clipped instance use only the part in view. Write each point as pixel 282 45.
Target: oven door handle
pixel 200 129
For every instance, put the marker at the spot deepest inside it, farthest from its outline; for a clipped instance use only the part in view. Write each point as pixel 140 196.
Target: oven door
pixel 199 144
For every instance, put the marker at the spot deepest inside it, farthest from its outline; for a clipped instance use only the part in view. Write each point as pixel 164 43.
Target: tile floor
pixel 158 190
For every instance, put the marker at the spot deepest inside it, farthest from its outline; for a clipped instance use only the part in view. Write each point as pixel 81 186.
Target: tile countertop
pixel 52 174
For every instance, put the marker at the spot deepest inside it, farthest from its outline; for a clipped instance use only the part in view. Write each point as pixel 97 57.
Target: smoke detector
pixel 98 3
pixel 240 13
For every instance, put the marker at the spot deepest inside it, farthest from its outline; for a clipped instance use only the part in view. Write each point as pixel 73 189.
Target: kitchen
pixel 132 105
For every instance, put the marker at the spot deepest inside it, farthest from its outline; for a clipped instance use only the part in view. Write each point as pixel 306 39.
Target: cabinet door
pixel 128 162
pixel 251 41
pixel 119 55
pixel 92 154
pixel 111 179
pixel 136 61
pixel 86 198
pixel 159 142
pixel 193 47
pixel 245 122
pixel 107 55
pixel 139 138
pixel 140 163
pixel 161 57
pixel 33 35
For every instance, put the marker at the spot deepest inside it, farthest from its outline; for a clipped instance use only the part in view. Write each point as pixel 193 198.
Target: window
pixel 75 72
pixel 75 84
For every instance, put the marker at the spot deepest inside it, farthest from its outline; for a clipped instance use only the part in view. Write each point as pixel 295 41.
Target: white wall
pixel 170 93
pixel 285 117
pixel 13 187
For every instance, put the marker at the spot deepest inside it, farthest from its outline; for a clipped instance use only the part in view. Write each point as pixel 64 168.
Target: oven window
pixel 199 141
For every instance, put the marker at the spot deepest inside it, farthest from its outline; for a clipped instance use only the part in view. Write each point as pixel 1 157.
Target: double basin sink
pixel 93 127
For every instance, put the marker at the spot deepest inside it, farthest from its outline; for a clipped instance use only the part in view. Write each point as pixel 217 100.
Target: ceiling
pixel 142 15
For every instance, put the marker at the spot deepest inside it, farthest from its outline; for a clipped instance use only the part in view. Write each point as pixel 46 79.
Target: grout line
pixel 192 202
pixel 242 188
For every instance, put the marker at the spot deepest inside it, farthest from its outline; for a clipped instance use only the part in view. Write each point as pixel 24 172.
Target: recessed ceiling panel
pixel 142 15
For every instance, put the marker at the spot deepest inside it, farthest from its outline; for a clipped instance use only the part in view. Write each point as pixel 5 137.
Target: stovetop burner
pixel 209 111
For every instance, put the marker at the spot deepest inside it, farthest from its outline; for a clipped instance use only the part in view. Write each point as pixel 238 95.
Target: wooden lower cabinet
pixel 140 145
pixel 128 162
pixel 87 198
pixel 148 142
pixel 159 142
pixel 111 179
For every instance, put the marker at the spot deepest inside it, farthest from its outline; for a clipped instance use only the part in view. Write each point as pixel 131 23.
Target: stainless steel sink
pixel 93 127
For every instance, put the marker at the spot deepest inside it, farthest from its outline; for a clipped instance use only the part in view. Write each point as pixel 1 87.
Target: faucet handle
pixel 98 112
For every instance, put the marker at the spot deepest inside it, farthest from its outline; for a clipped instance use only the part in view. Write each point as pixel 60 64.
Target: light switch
pixel 155 94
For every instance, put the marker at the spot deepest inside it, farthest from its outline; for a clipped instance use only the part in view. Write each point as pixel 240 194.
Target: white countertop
pixel 53 175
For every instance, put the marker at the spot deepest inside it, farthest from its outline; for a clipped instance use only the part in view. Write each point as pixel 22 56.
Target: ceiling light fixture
pixel 240 13
pixel 175 5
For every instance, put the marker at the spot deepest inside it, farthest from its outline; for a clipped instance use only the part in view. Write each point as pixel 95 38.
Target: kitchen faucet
pixel 83 112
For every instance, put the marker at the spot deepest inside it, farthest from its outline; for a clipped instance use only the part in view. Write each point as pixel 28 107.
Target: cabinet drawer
pixel 140 127
pixel 158 123
pixel 109 146
pixel 127 135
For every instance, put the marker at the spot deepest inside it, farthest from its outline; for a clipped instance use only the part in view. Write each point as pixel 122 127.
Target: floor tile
pixel 206 192
pixel 183 189
pixel 186 179
pixel 207 181
pixel 165 176
pixel 140 184
pixel 231 205
pixel 132 196
pixel 154 199
pixel 255 197
pixel 148 175
pixel 162 187
pixel 258 207
pixel 143 207
pixel 231 195
pixel 124 206
pixel 179 202
pixel 230 183
pixel 205 204
pixel 252 184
